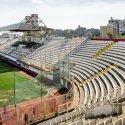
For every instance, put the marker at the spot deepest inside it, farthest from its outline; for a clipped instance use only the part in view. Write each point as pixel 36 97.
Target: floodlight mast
pixel 42 95
pixel 14 80
pixel 44 69
pixel 34 26
pixel 27 21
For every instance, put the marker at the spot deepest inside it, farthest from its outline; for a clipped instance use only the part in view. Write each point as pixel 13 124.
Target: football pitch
pixel 25 88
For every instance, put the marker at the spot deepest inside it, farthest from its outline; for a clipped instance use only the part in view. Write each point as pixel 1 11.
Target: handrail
pixel 7 43
pixel 99 73
pixel 99 53
pixel 106 98
pixel 56 65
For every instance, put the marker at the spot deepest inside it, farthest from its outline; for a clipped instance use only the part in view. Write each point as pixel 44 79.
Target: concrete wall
pixel 104 30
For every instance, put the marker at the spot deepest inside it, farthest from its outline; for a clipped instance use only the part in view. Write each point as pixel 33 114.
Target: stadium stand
pixel 52 52
pixel 6 42
pixel 86 66
pixel 106 86
pixel 109 121
pixel 103 50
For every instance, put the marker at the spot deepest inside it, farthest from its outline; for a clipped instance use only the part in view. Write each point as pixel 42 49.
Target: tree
pixel 123 33
pixel 94 37
pixel 111 35
pixel 68 36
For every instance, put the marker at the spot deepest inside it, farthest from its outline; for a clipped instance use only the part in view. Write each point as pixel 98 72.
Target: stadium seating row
pixel 99 73
pixel 52 52
pixel 103 50
pixel 109 121
pixel 86 67
pixel 6 43
pixel 106 86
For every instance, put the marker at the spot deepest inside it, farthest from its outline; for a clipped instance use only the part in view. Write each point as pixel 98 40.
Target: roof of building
pixel 19 27
pixel 22 27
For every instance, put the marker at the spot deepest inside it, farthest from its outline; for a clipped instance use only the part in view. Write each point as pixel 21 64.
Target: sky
pixel 63 14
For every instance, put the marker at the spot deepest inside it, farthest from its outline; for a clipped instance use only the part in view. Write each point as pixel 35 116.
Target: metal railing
pixel 114 96
pixel 51 106
pixel 7 43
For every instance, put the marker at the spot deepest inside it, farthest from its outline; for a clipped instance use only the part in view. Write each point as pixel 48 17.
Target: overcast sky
pixel 63 14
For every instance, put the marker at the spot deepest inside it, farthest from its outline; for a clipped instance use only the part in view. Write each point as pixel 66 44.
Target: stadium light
pixel 41 94
pixel 15 97
pixel 44 68
pixel 14 90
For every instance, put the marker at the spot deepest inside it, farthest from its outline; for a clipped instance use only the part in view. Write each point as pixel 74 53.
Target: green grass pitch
pixel 25 88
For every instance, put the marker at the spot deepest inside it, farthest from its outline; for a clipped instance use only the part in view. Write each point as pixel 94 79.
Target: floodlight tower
pixel 34 28
pixel 35 34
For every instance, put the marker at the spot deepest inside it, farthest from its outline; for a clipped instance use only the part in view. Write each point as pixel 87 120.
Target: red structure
pixel 110 39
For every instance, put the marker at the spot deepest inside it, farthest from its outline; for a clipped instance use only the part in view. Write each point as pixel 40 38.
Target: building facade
pixel 118 24
pixel 108 31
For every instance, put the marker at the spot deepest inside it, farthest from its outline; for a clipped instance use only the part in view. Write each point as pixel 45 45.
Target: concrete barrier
pixel 102 123
pixel 80 122
pixel 88 114
pixel 103 111
pixel 118 122
pixel 86 124
pixel 110 124
pixel 123 121
pixel 118 108
pixel 108 121
pixel 92 122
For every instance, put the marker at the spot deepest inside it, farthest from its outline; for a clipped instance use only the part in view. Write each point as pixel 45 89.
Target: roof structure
pixel 22 27
pixel 29 23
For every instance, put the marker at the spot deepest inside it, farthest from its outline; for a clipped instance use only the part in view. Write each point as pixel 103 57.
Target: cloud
pixel 15 3
pixel 37 1
pixel 75 2
pixel 63 13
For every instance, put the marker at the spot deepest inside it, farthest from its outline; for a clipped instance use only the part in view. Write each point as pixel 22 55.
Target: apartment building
pixel 106 30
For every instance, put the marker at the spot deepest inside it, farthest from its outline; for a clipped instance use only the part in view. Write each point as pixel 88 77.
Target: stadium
pixel 49 80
